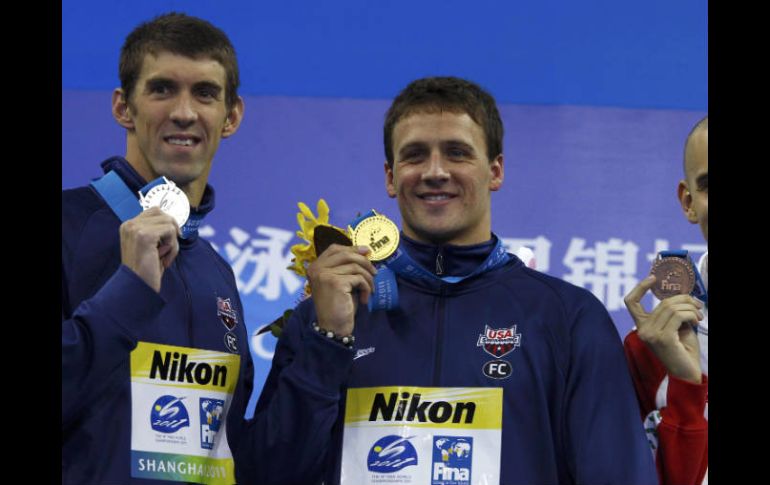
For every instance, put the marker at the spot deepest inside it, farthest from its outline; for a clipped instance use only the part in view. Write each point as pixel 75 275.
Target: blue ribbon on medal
pixel 399 263
pixel 125 205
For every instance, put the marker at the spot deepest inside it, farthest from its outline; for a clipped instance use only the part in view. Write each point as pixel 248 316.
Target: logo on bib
pixel 409 408
pixel 391 453
pixel 452 458
pixel 212 412
pixel 177 367
pixel 168 414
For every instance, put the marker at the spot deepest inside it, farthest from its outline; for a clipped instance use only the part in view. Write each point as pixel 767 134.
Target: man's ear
pixel 121 110
pixel 685 198
pixel 234 118
pixel 389 186
pixel 497 173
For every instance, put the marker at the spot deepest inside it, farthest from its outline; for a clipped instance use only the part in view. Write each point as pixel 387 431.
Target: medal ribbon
pixel 385 289
pixel 125 205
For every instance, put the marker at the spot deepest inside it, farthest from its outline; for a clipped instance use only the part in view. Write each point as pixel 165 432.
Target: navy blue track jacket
pixel 107 309
pixel 569 410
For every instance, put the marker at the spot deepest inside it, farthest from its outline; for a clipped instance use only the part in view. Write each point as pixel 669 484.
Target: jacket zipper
pixel 440 320
pixel 439 335
pixel 189 300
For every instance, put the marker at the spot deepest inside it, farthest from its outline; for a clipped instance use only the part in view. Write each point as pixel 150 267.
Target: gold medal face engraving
pixel 673 276
pixel 380 234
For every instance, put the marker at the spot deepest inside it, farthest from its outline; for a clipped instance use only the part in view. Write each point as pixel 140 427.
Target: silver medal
pixel 171 200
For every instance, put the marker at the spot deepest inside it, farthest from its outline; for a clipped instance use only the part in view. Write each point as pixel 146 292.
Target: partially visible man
pixel 668 350
pixel 486 371
pixel 156 368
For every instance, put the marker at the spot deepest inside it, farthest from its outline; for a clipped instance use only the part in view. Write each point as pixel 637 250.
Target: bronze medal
pixel 380 234
pixel 673 276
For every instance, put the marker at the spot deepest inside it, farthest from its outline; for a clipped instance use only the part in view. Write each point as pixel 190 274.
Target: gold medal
pixel 379 233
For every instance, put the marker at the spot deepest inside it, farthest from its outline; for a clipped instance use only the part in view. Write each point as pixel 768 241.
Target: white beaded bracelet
pixel 346 340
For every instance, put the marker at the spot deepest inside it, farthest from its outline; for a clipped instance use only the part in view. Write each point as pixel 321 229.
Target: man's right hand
pixel 668 330
pixel 340 278
pixel 148 245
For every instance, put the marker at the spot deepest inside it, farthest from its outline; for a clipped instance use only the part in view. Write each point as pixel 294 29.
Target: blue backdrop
pixel 596 98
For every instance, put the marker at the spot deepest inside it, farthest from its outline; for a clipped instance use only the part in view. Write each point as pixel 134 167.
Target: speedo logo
pixel 176 367
pixel 411 408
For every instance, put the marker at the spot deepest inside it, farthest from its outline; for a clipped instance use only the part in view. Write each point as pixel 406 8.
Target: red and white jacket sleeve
pixel 673 413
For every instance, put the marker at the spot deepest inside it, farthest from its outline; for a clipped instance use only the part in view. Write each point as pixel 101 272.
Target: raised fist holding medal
pixel 669 330
pixel 343 275
pixel 149 242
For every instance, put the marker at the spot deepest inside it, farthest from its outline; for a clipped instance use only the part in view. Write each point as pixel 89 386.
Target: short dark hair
pixel 450 94
pixel 183 35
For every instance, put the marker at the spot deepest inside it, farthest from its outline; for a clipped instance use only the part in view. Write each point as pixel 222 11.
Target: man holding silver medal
pixel 156 368
pixel 668 350
pixel 439 357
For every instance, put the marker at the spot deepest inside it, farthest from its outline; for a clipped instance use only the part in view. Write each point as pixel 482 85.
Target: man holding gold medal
pixel 435 356
pixel 668 350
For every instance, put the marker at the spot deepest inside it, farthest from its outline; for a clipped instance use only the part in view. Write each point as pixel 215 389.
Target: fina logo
pixel 390 454
pixel 452 458
pixel 212 411
pixel 168 414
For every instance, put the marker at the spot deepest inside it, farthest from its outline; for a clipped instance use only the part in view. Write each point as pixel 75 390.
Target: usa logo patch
pixel 498 342
pixel 226 313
